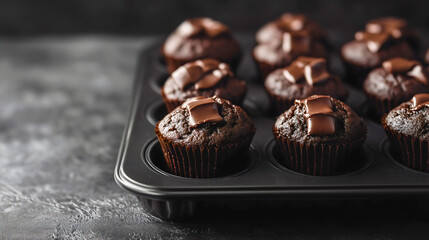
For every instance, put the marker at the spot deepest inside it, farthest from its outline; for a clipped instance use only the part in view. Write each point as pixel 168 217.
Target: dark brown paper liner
pixel 264 69
pixel 170 104
pixel 279 104
pixel 197 161
pixel 315 159
pixel 356 74
pixel 414 153
pixel 173 64
pixel 380 107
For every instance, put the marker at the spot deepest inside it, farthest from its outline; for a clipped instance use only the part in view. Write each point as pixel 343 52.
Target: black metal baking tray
pixel 139 166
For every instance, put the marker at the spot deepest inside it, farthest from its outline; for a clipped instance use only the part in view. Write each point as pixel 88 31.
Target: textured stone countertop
pixel 63 106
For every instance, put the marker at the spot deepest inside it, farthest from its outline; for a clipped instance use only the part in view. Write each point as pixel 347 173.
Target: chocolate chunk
pixel 420 100
pixel 318 104
pixel 209 80
pixel 393 26
pixel 297 42
pixel 321 125
pixel 313 69
pixel 196 26
pixel 208 64
pixel 374 41
pixel 202 110
pixel 405 66
pixel 319 114
pixel 316 71
pixel 292 22
pixel 294 73
pixel 187 74
pixel 204 73
pixel 399 65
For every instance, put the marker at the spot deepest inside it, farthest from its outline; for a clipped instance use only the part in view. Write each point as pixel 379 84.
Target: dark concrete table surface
pixel 63 106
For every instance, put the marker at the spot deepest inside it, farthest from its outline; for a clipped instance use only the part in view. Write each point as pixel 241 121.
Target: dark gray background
pixel 64 98
pixel 38 17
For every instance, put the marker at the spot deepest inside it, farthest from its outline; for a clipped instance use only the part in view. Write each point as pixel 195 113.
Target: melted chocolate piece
pixel 316 71
pixel 405 66
pixel 420 100
pixel 319 114
pixel 193 27
pixel 394 26
pixel 380 31
pixel 294 73
pixel 318 104
pixel 202 110
pixel 204 73
pixel 292 22
pixel 313 70
pixel 374 41
pixel 296 42
pixel 321 125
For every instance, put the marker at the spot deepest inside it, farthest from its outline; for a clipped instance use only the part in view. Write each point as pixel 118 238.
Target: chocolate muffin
pixel 202 137
pixel 306 76
pixel 207 77
pixel 383 39
pixel 397 81
pixel 276 54
pixel 288 22
pixel 200 38
pixel 317 135
pixel 407 127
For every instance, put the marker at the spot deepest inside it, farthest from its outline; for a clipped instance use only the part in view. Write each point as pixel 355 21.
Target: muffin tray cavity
pixel 140 168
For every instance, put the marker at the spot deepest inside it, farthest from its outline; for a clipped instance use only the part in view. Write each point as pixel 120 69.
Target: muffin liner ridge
pixel 170 104
pixel 279 104
pixel 380 107
pixel 321 159
pixel 414 152
pixel 198 161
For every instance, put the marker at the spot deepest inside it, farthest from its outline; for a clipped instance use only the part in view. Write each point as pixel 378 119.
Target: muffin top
pixel 287 48
pixel 306 76
pixel 207 121
pixel 201 38
pixel 207 77
pixel 273 31
pixel 398 79
pixel 320 119
pixel 382 39
pixel 411 118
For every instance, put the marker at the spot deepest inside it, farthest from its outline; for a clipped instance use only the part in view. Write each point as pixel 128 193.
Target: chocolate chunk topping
pixel 292 22
pixel 193 27
pixel 394 26
pixel 204 73
pixel 202 110
pixel 374 40
pixel 380 31
pixel 296 42
pixel 319 114
pixel 293 73
pixel 407 67
pixel 312 69
pixel 420 100
pixel 316 71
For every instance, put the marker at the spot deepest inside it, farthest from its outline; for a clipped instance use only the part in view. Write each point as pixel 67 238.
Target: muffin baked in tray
pixel 377 170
